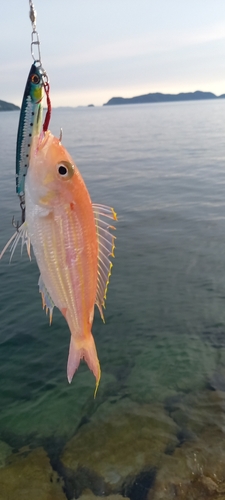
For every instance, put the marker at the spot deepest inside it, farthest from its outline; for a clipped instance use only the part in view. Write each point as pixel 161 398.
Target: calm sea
pixel 162 167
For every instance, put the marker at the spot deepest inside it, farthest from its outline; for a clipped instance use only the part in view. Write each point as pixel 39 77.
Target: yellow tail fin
pixel 83 348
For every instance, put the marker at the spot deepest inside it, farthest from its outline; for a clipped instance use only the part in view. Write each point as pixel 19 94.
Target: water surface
pixel 162 168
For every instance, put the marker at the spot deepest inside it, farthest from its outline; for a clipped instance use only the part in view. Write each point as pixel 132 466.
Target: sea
pixel 162 167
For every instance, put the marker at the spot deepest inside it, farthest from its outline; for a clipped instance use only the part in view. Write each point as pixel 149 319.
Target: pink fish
pixel 72 243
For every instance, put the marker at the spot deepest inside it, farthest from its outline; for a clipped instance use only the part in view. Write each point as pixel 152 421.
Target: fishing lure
pixel 30 120
pixel 30 123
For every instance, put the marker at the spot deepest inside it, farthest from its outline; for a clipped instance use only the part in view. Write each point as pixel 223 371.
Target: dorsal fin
pixel 106 248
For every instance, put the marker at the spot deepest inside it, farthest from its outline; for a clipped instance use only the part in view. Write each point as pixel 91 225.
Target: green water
pixel 162 168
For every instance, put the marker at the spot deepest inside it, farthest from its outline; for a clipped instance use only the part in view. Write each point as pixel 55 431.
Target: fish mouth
pixel 42 140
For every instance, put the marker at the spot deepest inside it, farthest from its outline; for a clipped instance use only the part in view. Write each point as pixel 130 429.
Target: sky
pixel 93 50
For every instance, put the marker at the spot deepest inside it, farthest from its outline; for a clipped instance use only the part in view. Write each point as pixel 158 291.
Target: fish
pixel 30 122
pixel 72 242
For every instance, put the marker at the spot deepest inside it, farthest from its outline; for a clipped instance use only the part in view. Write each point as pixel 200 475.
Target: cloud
pixel 142 45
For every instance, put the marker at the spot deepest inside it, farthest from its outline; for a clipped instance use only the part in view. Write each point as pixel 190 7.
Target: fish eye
pixel 35 79
pixel 62 170
pixel 65 169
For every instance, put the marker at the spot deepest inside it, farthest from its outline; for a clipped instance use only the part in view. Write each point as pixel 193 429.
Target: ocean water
pixel 162 168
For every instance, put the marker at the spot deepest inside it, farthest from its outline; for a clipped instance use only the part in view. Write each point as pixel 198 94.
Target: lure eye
pixel 35 79
pixel 65 170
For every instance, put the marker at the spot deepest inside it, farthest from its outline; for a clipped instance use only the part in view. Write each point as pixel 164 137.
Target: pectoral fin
pixel 106 248
pixel 47 301
pixel 20 234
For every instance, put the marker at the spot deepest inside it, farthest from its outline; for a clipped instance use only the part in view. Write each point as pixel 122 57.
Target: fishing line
pixel 36 55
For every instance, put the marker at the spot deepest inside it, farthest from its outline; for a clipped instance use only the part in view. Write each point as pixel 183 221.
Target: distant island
pixel 8 106
pixel 158 97
pixel 140 99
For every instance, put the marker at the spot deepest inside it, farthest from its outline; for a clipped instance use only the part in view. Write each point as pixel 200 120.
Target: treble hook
pixel 17 225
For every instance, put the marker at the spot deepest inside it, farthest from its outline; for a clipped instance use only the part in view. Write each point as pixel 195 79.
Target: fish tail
pixel 83 349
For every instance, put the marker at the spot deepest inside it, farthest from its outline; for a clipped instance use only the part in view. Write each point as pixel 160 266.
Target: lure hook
pixel 17 225
pixel 60 135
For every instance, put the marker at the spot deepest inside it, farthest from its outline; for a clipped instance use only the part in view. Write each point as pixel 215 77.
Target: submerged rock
pixel 5 452
pixel 116 446
pixel 30 478
pixel 170 367
pixel 54 412
pixel 217 380
pixel 198 412
pixel 195 471
pixel 88 495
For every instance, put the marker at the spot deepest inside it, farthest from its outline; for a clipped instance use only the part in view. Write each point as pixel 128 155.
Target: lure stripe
pixel 29 125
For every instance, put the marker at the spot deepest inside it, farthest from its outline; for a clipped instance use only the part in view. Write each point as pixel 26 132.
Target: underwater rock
pixel 171 367
pixel 198 412
pixel 53 412
pixel 88 495
pixel 30 477
pixel 5 452
pixel 217 380
pixel 119 443
pixel 194 472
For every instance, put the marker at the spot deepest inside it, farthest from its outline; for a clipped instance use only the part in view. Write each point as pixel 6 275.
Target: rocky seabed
pixel 151 451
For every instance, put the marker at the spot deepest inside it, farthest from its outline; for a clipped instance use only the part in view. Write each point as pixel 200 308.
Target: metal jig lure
pixel 30 120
